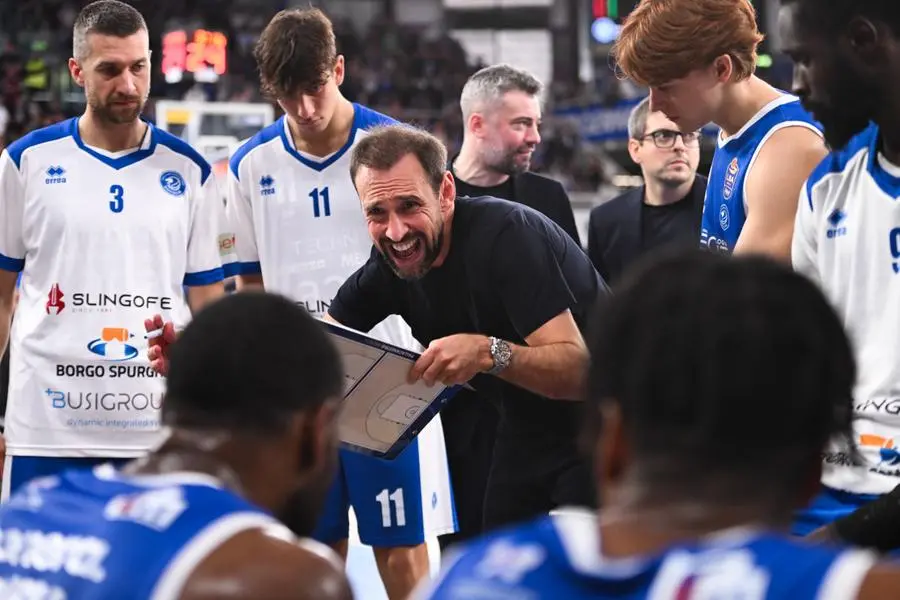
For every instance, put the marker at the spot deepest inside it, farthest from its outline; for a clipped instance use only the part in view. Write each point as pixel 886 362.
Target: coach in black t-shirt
pixel 497 293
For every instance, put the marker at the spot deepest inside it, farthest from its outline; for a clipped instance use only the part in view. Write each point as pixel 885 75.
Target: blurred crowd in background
pixel 411 73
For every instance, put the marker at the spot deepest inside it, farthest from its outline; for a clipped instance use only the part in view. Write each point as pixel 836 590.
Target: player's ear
pixel 723 68
pixel 76 72
pixel 339 70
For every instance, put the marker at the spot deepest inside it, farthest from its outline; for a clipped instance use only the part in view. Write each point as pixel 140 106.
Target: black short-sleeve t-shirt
pixel 509 270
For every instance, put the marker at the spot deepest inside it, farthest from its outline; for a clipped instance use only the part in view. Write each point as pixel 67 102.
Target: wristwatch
pixel 501 353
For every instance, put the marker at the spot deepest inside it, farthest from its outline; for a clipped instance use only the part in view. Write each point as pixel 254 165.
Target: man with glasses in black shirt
pixel 665 211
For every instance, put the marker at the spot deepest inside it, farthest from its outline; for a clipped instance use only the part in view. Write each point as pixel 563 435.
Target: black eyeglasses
pixel 665 138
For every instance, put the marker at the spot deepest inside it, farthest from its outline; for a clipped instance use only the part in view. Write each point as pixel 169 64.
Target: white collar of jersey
pixel 579 533
pixel 107 472
pixel 783 99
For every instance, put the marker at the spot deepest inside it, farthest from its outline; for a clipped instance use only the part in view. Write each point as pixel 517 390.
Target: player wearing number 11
pixel 300 231
pixel 107 218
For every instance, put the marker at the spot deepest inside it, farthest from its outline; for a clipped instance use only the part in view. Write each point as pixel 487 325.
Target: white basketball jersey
pixel 104 241
pixel 298 221
pixel 847 238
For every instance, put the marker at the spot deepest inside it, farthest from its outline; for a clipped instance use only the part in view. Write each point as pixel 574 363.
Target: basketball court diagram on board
pixel 382 412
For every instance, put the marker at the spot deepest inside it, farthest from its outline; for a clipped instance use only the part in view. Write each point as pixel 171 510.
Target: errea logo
pixel 55 174
pixel 835 220
pixel 266 185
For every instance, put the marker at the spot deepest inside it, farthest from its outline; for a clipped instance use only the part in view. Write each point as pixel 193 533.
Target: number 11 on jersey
pixel 321 202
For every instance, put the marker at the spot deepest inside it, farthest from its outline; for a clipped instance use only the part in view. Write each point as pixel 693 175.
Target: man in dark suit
pixel 665 211
pixel 501 112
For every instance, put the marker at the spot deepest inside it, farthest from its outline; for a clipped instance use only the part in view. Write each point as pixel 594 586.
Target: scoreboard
pixel 200 53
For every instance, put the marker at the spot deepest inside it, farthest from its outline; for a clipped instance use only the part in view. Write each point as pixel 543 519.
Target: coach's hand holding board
pixel 453 360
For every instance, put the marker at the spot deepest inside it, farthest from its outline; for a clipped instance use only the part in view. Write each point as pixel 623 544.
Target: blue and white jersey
pixel 560 557
pixel 100 534
pixel 298 221
pixel 725 205
pixel 103 240
pixel 847 239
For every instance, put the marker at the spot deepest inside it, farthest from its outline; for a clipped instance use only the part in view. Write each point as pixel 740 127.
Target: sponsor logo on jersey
pixel 173 183
pixel 101 371
pixel 55 174
pixel 887 449
pixel 730 178
pixel 55 304
pixel 835 219
pixel 226 244
pixel 724 217
pixel 156 509
pixel 76 556
pixel 103 401
pixel 266 185
pixel 114 343
pixel 102 301
pixel 712 242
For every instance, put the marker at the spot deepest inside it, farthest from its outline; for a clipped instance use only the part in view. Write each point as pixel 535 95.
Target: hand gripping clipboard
pixel 381 412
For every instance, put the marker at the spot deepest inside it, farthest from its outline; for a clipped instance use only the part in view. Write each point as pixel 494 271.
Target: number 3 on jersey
pixel 118 202
pixel 321 202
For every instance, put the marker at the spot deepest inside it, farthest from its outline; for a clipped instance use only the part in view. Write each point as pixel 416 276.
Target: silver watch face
pixel 501 353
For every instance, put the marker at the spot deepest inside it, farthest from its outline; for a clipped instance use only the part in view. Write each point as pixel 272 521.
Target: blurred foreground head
pixel 717 380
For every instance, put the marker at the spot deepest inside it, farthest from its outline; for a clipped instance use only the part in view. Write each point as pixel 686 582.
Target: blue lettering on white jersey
pixel 725 205
pixel 99 534
pixel 560 557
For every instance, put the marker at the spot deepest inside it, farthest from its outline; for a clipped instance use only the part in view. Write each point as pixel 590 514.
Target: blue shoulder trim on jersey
pixel 178 145
pixel 367 118
pixel 267 134
pixel 837 161
pixel 37 137
pixel 363 118
pixel 14 265
pixel 204 277
pixel 242 268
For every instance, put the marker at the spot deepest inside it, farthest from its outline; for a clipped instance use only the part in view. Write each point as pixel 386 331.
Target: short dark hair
pixel 104 17
pixel 384 146
pixel 732 374
pixel 295 52
pixel 834 14
pixel 248 362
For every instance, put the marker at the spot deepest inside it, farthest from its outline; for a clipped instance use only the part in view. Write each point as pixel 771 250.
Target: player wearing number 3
pixel 300 231
pixel 107 218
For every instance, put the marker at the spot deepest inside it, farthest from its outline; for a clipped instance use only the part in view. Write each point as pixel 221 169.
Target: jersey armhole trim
pixel 208 277
pixel 845 575
pixel 234 269
pixel 210 538
pixel 762 142
pixel 7 263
